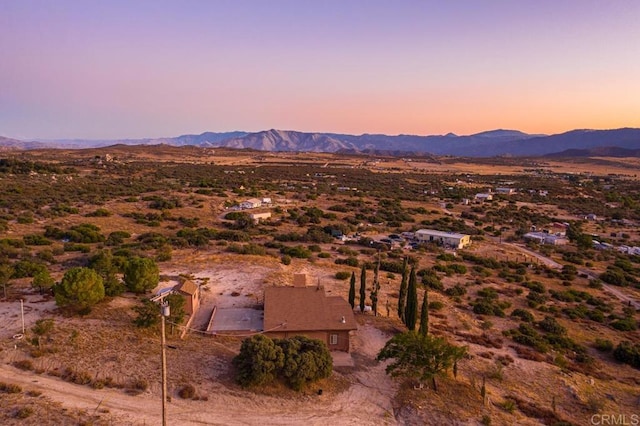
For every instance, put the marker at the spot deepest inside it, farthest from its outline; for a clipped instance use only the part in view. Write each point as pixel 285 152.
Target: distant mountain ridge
pixel 500 142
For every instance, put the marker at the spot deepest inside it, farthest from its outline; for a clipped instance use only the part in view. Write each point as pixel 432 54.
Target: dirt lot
pixel 105 345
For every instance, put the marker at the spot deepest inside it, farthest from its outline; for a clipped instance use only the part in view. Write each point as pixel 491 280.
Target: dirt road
pixel 592 275
pixel 367 401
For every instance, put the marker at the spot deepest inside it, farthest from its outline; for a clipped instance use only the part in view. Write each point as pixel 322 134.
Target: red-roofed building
pixel 308 311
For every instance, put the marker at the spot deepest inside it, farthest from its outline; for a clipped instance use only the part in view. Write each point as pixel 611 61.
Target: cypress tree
pixel 352 290
pixel 411 310
pixel 363 286
pixel 424 315
pixel 376 288
pixel 402 298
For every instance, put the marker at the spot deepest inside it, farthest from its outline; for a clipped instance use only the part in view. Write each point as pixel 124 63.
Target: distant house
pixel 251 203
pixel 559 228
pixel 591 216
pixel 543 192
pixel 190 291
pixel 483 196
pixel 266 200
pixel 446 239
pixel 257 217
pixel 307 311
pixel 545 238
pixel 505 190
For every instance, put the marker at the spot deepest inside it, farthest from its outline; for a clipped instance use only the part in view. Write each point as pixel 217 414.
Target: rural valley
pixel 529 266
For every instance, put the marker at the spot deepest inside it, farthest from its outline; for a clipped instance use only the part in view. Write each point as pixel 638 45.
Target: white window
pixel 333 339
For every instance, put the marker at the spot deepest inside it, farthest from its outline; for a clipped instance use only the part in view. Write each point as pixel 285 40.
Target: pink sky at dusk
pixel 121 69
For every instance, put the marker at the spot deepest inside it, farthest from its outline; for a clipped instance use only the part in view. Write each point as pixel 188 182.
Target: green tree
pixel 80 289
pixel 148 314
pixel 376 288
pixel 363 286
pixel 411 309
pixel 305 360
pixel 176 307
pixel 141 275
pixel 420 357
pixel 259 361
pixel 6 271
pixel 104 264
pixel 424 315
pixel 402 297
pixel 42 280
pixel 584 242
pixel 352 290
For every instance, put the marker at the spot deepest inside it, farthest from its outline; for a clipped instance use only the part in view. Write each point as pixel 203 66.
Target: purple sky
pixel 116 69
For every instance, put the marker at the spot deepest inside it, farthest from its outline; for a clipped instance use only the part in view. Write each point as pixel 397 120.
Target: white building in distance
pixel 251 203
pixel 446 239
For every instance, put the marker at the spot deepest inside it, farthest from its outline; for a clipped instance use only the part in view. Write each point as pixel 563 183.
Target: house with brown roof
pixel 308 311
pixel 190 291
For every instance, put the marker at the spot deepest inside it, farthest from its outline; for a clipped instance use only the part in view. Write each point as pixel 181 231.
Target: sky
pixel 133 69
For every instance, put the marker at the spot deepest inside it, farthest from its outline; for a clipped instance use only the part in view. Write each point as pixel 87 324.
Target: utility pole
pixel 164 312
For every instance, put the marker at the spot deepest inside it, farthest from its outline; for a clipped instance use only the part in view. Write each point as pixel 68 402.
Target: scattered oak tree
pixel 298 361
pixel 259 361
pixel 420 357
pixel 79 290
pixel 305 361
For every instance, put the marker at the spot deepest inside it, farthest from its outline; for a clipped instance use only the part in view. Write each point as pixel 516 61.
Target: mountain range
pixel 486 144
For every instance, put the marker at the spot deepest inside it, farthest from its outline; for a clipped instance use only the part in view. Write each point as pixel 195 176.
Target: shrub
pixel 305 360
pixel 24 364
pixel 187 392
pixel 523 314
pixel 342 275
pixel 10 388
pixel 101 212
pixel 628 353
pixel 456 290
pixel 349 261
pixel 139 384
pixel 36 240
pixel 259 361
pixel 435 305
pixel 551 325
pixel 297 251
pixel 43 326
pixel 625 324
pixel 23 412
pixel 603 345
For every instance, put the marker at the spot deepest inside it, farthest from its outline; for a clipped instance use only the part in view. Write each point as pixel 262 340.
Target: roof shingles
pixel 305 309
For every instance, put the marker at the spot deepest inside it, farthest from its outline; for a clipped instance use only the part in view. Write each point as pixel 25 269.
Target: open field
pixel 171 204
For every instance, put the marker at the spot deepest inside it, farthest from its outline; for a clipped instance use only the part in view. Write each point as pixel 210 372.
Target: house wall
pixel 325 336
pixel 191 303
pixel 446 241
